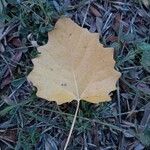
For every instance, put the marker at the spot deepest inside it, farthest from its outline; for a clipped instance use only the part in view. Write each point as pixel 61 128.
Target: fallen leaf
pixel 15 41
pixel 74 65
pixel 5 82
pixel 95 12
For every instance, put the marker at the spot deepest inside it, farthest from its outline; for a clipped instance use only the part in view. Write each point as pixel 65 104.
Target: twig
pixel 72 126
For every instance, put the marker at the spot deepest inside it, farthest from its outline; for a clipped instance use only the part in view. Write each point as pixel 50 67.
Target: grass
pixel 28 122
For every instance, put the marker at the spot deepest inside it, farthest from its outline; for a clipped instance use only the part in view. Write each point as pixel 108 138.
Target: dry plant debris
pixel 73 65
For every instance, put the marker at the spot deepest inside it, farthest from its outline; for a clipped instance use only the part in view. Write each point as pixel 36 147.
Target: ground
pixel 28 122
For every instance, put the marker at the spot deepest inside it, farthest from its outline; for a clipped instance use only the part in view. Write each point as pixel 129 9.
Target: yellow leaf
pixel 74 65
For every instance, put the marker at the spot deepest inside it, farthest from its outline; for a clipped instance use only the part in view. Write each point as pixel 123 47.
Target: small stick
pixel 72 126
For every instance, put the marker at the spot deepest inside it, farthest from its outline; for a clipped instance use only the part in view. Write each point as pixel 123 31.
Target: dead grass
pixel 27 122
